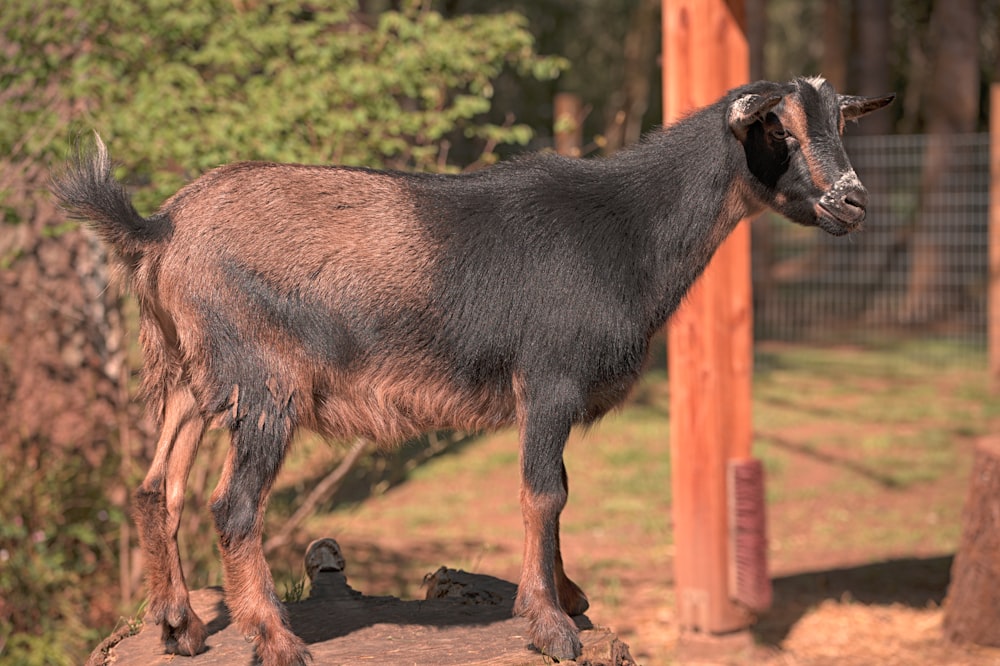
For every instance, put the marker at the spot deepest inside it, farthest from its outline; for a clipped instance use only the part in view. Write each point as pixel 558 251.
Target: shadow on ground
pixel 379 470
pixel 913 582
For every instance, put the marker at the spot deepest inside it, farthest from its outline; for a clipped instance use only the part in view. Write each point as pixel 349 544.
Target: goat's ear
pixel 747 109
pixel 854 107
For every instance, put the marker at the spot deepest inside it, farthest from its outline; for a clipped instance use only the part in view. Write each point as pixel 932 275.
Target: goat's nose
pixel 856 198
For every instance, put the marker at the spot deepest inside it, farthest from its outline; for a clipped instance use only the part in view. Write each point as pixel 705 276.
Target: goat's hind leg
pixel 159 502
pixel 260 437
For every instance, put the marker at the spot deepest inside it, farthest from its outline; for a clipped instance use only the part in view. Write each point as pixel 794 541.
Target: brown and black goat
pixel 355 302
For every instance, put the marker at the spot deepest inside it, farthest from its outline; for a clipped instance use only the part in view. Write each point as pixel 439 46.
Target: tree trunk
pixel 972 607
pixel 870 60
pixel 756 11
pixel 631 101
pixel 568 126
pixel 834 60
pixel 952 107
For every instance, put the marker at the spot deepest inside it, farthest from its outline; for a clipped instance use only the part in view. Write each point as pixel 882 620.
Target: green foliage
pixel 178 88
pixel 57 534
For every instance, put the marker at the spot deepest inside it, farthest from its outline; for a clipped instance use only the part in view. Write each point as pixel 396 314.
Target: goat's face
pixel 791 135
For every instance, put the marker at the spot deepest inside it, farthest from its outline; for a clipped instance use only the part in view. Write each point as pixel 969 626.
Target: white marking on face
pixel 848 181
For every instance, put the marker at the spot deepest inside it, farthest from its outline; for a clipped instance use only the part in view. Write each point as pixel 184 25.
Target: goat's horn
pixel 854 107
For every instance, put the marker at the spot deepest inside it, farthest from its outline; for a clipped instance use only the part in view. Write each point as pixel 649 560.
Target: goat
pixel 355 302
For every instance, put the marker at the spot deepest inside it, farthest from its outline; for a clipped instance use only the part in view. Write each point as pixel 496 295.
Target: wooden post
pixel 993 310
pixel 705 53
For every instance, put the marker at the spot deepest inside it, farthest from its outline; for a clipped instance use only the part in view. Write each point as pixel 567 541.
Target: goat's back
pixel 388 304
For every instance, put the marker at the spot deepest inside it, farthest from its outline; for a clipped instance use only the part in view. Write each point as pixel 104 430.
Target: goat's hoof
pixel 555 636
pixel 281 648
pixel 188 638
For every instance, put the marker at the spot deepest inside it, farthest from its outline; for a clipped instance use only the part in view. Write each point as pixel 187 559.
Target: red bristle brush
pixel 749 581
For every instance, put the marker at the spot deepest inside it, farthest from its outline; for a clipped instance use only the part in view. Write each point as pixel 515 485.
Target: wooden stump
pixel 972 607
pixel 465 619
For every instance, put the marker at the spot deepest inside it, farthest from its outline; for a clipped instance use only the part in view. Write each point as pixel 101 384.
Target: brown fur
pixel 331 241
pixel 319 216
pixel 393 403
pixel 158 505
pixel 385 402
pixel 544 591
pixel 737 204
pixel 794 118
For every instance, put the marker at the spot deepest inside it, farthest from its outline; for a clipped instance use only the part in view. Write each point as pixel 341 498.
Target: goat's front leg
pixel 543 496
pixel 158 504
pixel 257 450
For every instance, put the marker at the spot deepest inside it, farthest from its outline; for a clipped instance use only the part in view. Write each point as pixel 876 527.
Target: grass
pixel 867 454
pixel 876 420
pixel 892 416
pixel 868 451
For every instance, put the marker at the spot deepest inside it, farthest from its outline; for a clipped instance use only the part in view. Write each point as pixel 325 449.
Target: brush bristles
pixel 749 580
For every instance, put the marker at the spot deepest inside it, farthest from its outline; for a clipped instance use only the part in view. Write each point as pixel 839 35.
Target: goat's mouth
pixel 838 220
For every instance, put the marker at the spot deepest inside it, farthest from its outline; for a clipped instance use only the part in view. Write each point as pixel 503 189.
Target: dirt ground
pixel 845 604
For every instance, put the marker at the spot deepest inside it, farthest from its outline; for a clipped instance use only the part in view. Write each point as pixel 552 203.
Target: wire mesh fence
pixel 918 270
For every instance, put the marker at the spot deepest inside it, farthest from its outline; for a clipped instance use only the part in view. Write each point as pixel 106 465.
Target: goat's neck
pixel 694 181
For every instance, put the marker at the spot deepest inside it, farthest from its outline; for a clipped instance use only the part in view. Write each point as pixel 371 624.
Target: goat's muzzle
pixel 842 208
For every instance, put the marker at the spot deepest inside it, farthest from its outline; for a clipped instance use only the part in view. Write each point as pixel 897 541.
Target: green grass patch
pixel 866 452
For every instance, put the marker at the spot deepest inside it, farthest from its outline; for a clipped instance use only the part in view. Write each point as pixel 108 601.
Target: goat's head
pixel 791 134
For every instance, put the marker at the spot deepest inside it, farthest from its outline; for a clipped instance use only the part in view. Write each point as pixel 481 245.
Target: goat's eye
pixel 779 134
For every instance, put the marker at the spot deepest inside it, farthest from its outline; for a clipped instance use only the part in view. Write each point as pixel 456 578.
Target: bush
pixel 58 551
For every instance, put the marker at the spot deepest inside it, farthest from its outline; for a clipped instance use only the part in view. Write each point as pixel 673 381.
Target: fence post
pixel 993 306
pixel 705 52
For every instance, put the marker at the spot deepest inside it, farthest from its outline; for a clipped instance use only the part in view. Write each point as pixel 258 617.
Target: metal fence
pixel 917 270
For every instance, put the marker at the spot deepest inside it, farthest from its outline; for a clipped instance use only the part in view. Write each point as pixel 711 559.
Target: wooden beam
pixel 710 338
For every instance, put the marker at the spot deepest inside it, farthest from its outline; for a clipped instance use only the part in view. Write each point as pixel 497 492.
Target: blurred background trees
pixel 176 88
pixel 940 57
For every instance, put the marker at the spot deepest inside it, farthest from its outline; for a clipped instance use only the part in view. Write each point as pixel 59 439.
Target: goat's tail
pixel 87 190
